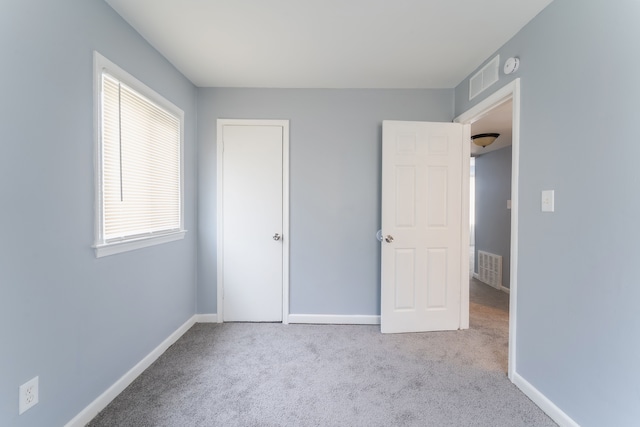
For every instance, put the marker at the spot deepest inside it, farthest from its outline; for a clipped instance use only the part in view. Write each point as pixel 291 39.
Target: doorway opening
pixel 490 232
pixel 504 103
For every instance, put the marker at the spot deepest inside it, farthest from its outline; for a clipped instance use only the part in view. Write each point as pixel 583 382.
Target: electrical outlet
pixel 28 395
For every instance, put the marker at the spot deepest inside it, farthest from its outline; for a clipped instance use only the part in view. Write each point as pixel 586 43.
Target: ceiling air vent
pixel 484 78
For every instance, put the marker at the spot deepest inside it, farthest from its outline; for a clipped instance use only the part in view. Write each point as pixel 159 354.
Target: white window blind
pixel 139 163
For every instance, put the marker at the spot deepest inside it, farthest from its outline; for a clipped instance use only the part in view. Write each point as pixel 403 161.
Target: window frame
pixel 101 246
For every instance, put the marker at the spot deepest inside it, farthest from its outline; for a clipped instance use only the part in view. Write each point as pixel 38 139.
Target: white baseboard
pixel 101 402
pixel 206 318
pixel 334 319
pixel 500 288
pixel 543 402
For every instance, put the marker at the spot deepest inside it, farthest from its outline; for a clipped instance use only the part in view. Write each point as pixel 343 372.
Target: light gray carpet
pixel 243 374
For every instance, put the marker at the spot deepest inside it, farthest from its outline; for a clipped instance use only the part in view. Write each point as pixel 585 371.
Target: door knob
pixel 389 238
pixel 276 236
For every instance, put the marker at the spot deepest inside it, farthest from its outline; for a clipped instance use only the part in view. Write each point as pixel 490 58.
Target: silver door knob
pixel 389 238
pixel 276 236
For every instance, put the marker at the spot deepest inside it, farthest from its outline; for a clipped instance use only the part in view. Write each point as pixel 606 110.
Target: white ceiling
pixel 327 43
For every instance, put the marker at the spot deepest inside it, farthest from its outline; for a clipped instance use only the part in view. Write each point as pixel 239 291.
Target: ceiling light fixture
pixel 484 139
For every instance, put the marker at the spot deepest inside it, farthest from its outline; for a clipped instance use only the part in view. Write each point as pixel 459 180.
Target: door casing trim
pixel 285 210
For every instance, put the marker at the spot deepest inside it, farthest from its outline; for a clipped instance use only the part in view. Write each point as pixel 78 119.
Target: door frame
pixel 510 91
pixel 285 210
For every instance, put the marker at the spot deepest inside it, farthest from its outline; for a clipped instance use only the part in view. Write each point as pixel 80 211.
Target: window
pixel 139 163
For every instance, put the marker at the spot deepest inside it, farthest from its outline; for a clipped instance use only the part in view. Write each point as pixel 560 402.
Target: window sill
pixel 107 249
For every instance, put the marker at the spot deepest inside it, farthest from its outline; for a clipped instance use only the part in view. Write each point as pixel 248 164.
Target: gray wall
pixel 578 286
pixel 335 171
pixel 493 219
pixel 77 322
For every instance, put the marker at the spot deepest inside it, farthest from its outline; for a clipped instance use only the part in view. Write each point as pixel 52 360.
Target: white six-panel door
pixel 421 226
pixel 251 230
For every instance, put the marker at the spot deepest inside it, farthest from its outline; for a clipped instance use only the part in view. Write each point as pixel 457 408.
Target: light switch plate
pixel 547 203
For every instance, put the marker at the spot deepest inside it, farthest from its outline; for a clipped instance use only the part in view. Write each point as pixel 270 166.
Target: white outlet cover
pixel 547 202
pixel 28 395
